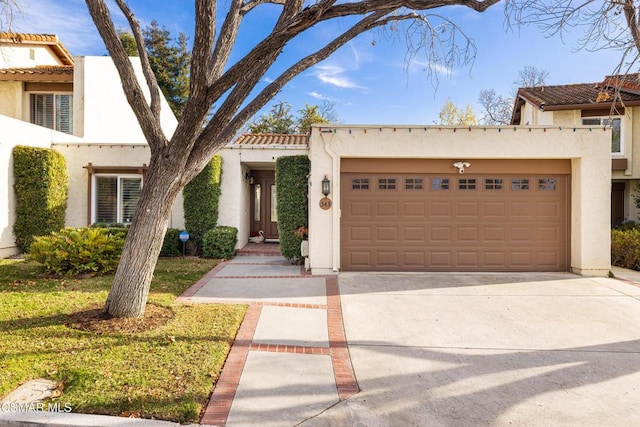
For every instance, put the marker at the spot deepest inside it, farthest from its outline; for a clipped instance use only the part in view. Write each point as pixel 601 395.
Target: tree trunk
pixel 130 288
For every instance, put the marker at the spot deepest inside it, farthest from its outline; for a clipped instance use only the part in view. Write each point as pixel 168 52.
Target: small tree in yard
pixel 223 96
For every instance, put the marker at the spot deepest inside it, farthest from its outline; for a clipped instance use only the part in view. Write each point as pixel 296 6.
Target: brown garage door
pixel 452 222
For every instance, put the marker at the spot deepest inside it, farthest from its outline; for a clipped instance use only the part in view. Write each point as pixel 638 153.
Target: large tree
pixel 451 114
pixel 231 87
pixel 280 120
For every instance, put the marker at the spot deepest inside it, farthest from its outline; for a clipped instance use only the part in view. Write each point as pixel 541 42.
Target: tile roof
pixel 580 96
pixel 271 139
pixel 41 72
pixel 47 39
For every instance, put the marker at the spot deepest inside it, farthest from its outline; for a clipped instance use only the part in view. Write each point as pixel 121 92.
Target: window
pixel 387 184
pixel 360 184
pixel 493 184
pixel 519 184
pixel 54 111
pixel 116 198
pixel 257 197
pixel 413 184
pixel 467 184
pixel 440 184
pixel 274 204
pixel 615 123
pixel 547 184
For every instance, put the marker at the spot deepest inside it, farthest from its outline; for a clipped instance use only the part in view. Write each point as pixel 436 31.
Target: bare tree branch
pixel 226 40
pixel 152 83
pixel 8 8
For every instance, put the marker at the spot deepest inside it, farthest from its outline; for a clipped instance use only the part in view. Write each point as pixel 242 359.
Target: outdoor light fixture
pixel 248 178
pixel 326 186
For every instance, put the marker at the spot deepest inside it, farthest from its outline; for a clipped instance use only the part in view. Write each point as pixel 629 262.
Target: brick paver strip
pixel 219 405
pixel 341 361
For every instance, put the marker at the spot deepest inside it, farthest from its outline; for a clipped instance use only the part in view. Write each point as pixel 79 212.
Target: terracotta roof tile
pixel 271 139
pixel 41 69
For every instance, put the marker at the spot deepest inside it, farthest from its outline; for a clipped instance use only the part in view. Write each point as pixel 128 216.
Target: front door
pixel 264 207
pixel 617 203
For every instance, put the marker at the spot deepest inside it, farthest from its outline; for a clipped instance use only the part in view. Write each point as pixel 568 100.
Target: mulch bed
pixel 98 321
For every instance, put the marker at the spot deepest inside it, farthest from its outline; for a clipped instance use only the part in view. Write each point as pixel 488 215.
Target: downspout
pixel 335 239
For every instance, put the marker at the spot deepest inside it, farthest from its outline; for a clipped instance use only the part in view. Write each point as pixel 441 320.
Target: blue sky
pixel 369 80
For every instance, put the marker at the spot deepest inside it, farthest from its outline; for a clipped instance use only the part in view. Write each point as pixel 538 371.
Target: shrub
pixel 41 186
pixel 171 246
pixel 220 242
pixel 625 248
pixel 201 198
pixel 293 211
pixel 74 251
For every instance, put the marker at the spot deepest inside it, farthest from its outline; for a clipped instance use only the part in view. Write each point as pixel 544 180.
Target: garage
pixel 424 215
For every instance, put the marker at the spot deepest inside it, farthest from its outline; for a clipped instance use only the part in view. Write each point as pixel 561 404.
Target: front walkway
pixel 289 360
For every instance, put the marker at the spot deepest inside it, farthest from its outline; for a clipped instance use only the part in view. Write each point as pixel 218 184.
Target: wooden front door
pixel 617 203
pixel 264 207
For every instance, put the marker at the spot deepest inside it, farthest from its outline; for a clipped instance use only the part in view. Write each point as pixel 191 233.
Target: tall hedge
pixel 201 197
pixel 293 210
pixel 41 186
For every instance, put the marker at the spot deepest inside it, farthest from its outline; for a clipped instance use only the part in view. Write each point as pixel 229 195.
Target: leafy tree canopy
pixel 280 120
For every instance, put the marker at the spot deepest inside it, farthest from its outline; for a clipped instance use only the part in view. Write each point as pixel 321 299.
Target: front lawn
pixel 164 373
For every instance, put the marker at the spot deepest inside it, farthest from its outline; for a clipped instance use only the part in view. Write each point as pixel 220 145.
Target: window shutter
pixel 64 113
pixel 130 189
pixel 106 199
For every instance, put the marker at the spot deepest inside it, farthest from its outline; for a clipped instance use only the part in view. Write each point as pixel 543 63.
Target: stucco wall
pixel 80 155
pixel 11 99
pixel 101 111
pixel 15 132
pixel 588 150
pixel 235 191
pixel 18 56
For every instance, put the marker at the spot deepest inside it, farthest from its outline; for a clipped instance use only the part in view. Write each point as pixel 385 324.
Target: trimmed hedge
pixel 220 242
pixel 201 197
pixel 74 251
pixel 41 186
pixel 625 247
pixel 293 209
pixel 171 246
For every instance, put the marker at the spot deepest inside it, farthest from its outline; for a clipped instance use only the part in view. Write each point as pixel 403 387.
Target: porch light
pixel 326 186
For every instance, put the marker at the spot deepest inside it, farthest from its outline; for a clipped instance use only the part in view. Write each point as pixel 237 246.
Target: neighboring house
pixel 435 198
pixel 613 103
pixel 76 106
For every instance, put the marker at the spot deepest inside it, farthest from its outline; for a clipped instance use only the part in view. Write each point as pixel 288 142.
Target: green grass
pixel 167 373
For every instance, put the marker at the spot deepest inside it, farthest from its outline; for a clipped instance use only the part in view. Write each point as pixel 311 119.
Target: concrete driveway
pixel 490 349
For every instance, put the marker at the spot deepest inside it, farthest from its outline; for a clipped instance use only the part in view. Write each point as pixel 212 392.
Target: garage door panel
pixel 501 223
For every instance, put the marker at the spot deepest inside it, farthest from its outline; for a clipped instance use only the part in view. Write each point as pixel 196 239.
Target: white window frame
pixel 610 118
pixel 54 94
pixel 94 193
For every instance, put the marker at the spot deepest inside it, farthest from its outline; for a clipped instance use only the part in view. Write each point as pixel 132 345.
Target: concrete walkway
pixel 289 361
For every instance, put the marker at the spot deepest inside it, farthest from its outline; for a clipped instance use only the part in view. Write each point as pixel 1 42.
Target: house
pixel 614 103
pixel 415 198
pixel 75 105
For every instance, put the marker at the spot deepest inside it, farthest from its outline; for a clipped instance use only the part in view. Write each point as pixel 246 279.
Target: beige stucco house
pixel 77 106
pixel 411 198
pixel 612 103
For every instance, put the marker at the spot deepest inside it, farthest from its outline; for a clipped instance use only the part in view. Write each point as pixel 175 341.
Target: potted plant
pixel 303 233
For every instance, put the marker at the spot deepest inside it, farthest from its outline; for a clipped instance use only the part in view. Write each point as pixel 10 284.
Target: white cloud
pixel 267 80
pixel 334 75
pixel 319 96
pixel 435 67
pixel 69 20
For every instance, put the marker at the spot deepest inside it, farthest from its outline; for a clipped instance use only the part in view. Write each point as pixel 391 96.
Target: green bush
pixel 74 251
pixel 625 248
pixel 41 185
pixel 201 198
pixel 220 242
pixel 171 246
pixel 293 211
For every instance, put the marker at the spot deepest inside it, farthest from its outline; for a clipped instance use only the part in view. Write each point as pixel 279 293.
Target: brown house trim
pixel 619 164
pixel 92 170
pixel 48 87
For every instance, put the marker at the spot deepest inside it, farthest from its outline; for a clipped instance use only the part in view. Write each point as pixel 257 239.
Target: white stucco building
pixel 76 106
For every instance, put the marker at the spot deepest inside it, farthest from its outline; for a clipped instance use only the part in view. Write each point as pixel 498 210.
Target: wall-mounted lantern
pixel 326 186
pixel 248 178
